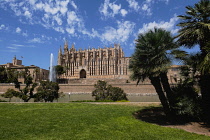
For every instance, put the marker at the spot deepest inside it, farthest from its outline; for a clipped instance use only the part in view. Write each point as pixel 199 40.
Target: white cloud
pixel 170 25
pixel 74 5
pixel 145 7
pixel 35 40
pixel 17 45
pixel 70 30
pixel 32 2
pixel 18 30
pixel 115 8
pixel 2 27
pixel 133 5
pixel 52 7
pixel 25 34
pixel 27 14
pixel 166 1
pixel 58 19
pixel 121 34
pixel 123 12
pixel 12 48
pixel 108 9
pixel 104 8
pixel 64 6
pixel 59 29
pixel 72 17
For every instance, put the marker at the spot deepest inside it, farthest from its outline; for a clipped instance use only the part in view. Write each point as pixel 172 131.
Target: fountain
pixel 52 75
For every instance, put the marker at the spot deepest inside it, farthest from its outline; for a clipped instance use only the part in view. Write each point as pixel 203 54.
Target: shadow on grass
pixel 152 115
pixel 156 115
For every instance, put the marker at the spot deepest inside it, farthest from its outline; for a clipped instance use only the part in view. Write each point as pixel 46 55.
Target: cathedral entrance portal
pixel 82 73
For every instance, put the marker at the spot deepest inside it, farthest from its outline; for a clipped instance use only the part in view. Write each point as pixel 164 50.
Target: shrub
pixel 10 93
pixel 107 92
pixel 187 102
pixel 47 91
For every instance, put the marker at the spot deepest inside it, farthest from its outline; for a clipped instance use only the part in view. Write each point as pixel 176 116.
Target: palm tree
pixel 195 26
pixel 151 59
pixel 195 30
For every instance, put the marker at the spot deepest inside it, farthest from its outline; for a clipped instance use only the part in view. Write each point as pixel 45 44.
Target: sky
pixel 33 29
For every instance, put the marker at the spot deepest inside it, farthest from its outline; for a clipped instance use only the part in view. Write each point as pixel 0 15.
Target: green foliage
pixel 2 100
pixel 3 75
pixel 195 28
pixel 12 75
pixel 107 92
pixel 25 93
pixel 10 93
pixel 59 70
pixel 47 91
pixel 187 103
pixel 77 121
pixel 152 58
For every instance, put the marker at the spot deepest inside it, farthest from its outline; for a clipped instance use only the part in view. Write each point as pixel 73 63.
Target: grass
pixel 80 121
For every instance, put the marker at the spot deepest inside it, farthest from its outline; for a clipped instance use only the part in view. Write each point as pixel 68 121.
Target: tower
pixel 60 56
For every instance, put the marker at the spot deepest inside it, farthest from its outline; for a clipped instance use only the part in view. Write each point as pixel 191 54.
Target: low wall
pixel 88 88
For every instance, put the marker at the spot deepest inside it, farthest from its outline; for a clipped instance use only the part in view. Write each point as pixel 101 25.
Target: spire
pixel 72 48
pixel 66 46
pixel 60 50
pixel 66 42
pixel 14 61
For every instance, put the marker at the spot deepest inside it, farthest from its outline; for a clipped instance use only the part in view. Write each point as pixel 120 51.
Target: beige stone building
pixel 101 63
pixel 36 73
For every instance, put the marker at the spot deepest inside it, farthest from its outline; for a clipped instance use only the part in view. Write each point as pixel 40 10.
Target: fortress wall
pixel 88 88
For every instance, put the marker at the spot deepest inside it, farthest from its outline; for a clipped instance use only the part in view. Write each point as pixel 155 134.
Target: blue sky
pixel 33 29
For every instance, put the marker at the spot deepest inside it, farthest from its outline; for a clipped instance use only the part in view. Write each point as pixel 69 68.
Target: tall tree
pixel 195 30
pixel 47 91
pixel 25 93
pixel 151 59
pixel 3 75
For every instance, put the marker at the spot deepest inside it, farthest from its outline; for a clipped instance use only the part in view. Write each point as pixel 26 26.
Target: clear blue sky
pixel 33 29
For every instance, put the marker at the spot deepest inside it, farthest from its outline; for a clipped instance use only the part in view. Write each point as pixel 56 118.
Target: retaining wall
pixel 88 88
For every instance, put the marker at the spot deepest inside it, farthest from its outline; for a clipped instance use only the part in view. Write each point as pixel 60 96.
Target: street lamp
pixel 69 96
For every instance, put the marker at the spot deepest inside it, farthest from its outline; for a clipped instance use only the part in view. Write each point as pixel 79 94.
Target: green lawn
pixel 75 121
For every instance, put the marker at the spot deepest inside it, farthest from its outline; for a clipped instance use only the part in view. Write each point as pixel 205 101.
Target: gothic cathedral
pixel 93 63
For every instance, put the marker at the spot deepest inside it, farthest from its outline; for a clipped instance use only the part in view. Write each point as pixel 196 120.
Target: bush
pixel 10 93
pixel 107 92
pixel 187 103
pixel 47 91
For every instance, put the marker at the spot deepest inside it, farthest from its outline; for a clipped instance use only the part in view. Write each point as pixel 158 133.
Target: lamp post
pixel 69 96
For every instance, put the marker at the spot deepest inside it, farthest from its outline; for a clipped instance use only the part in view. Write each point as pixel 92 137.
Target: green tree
pixel 59 71
pixel 187 102
pixel 12 75
pixel 47 91
pixel 10 93
pixel 3 75
pixel 25 93
pixel 195 30
pixel 151 59
pixel 104 92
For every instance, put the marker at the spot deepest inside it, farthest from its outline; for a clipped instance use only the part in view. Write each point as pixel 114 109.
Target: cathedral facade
pixel 101 63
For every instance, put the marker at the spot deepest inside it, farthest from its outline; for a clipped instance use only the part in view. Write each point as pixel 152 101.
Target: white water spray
pixel 52 76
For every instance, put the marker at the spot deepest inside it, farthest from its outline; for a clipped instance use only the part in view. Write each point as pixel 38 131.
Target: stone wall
pixel 88 88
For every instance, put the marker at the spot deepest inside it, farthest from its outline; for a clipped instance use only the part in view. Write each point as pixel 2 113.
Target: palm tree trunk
pixel 166 87
pixel 205 89
pixel 205 92
pixel 157 85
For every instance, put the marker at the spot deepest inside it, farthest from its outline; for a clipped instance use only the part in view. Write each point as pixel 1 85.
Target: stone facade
pixel 102 63
pixel 36 73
